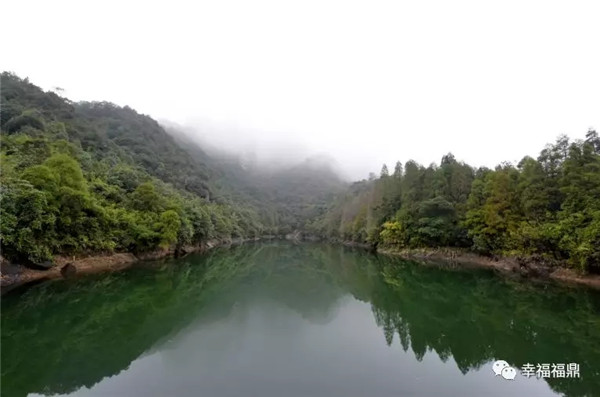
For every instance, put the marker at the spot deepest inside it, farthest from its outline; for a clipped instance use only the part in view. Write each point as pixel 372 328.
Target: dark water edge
pixel 62 335
pixel 14 276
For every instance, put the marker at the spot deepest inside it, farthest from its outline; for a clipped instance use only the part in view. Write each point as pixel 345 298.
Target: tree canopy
pixel 94 177
pixel 549 206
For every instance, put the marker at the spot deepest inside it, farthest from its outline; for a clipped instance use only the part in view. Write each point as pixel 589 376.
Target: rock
pixel 68 270
pixel 541 270
pixel 45 265
pixel 9 268
pixel 211 244
pixel 295 236
pixel 180 252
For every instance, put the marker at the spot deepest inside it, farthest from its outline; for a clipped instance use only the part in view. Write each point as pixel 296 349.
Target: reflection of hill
pixel 59 336
pixel 475 317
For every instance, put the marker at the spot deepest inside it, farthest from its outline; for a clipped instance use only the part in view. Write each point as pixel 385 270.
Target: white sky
pixel 368 82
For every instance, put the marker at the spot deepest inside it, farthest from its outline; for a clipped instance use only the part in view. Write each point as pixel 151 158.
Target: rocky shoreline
pixel 532 267
pixel 524 267
pixel 15 275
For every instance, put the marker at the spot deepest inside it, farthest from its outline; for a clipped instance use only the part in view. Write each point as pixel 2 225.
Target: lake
pixel 279 319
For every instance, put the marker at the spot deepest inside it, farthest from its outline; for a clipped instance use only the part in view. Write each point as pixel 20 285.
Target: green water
pixel 295 320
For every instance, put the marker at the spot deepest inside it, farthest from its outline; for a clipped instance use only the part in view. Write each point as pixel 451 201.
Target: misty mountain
pixel 287 196
pixel 91 177
pixel 104 130
pixel 94 177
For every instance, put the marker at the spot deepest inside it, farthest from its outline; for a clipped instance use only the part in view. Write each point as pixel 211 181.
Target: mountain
pixel 90 177
pixel 287 197
pixel 87 177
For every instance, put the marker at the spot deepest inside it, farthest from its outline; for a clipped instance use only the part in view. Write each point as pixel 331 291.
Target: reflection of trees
pixel 475 317
pixel 59 336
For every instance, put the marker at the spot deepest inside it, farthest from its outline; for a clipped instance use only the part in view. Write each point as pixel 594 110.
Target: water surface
pixel 295 320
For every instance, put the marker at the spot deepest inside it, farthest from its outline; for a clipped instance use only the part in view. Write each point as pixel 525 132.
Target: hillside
pixel 547 208
pixel 286 197
pixel 91 177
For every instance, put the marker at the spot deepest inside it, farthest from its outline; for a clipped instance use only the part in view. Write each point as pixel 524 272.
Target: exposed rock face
pixel 68 270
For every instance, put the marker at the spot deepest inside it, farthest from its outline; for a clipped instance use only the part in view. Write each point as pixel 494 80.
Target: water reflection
pixel 280 319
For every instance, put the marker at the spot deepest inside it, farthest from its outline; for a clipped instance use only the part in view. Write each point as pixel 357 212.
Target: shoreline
pixel 66 267
pixel 15 275
pixel 526 268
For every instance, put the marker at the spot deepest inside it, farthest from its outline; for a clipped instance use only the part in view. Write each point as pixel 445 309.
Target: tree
pixel 145 198
pixel 393 233
pixel 534 195
pixel 27 118
pixel 592 138
pixel 67 172
pixel 42 178
pixel 436 223
pixel 168 228
pixel 398 170
pixel 26 222
pixel 384 172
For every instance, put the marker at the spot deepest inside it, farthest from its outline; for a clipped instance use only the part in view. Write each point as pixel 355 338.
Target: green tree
pixel 145 198
pixel 26 222
pixel 168 228
pixel 384 172
pixel 67 172
pixel 398 170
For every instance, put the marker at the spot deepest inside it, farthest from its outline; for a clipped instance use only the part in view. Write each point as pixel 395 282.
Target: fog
pixel 366 82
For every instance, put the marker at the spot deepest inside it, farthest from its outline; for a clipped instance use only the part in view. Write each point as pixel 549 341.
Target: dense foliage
pixel 549 206
pixel 89 177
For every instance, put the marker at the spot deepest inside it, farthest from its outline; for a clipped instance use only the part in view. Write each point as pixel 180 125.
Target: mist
pixel 367 83
pixel 266 151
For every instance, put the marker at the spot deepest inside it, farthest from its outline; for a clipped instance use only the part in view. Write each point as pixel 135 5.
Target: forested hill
pixel 102 129
pixel 287 197
pixel 89 177
pixel 547 206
